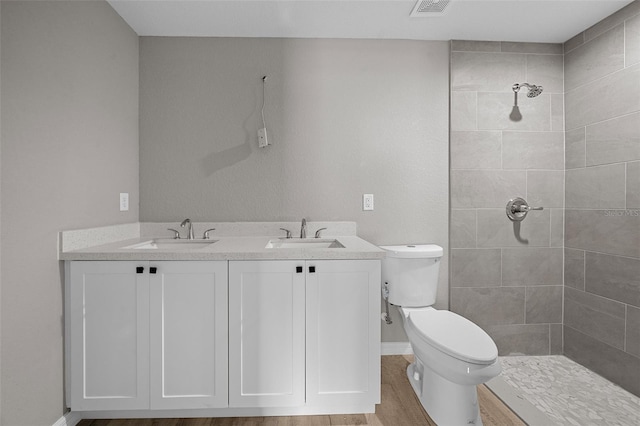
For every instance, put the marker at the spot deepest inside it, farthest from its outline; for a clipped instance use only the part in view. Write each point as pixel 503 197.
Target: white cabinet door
pixel 109 308
pixel 343 332
pixel 266 333
pixel 188 334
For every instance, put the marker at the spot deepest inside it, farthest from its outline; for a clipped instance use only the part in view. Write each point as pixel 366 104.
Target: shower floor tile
pixel 568 393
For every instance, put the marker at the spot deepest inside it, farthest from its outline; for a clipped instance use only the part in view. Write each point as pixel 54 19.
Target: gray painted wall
pixel 0 211
pixel 346 117
pixel 69 82
pixel 507 278
pixel 602 234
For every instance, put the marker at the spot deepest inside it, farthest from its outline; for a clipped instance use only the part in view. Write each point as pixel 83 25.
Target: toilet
pixel 452 354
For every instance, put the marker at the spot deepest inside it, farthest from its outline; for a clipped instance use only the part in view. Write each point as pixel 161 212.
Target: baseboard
pixel 395 348
pixel 71 418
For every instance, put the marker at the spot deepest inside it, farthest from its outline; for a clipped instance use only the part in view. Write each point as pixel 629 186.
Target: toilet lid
pixel 454 335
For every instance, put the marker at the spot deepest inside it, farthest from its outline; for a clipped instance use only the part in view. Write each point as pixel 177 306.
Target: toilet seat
pixel 453 335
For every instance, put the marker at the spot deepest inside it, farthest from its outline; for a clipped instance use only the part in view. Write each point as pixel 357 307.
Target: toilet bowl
pixel 457 348
pixel 452 354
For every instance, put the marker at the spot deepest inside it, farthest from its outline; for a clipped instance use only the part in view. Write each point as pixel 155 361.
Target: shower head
pixel 533 90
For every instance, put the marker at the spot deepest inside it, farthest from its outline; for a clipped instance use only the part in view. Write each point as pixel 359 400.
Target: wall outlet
pixel 124 201
pixel 262 138
pixel 367 202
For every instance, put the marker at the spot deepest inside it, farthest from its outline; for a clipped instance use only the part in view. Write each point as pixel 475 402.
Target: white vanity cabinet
pixel 266 333
pixel 343 333
pixel 188 335
pixel 109 333
pixel 222 338
pixel 304 333
pixel 147 335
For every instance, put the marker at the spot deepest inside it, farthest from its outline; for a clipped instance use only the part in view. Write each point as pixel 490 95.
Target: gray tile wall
pixel 602 195
pixel 506 278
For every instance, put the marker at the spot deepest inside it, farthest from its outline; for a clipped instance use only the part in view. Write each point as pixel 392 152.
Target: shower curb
pixel 516 401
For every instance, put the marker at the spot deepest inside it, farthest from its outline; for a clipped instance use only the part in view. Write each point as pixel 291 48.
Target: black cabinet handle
pixel 153 270
pixel 312 269
pixel 139 269
pixel 298 269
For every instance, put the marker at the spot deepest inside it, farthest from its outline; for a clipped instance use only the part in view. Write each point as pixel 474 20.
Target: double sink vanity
pixel 244 323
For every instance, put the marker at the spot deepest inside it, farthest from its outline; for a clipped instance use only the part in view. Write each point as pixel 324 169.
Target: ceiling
pixel 549 21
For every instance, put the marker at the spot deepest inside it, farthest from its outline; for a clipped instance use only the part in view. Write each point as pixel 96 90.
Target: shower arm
pixel 516 87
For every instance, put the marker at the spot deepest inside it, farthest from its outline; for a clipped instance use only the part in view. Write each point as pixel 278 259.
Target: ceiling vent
pixel 429 8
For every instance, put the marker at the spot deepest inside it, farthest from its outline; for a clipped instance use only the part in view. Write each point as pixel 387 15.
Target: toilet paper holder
pixel 517 209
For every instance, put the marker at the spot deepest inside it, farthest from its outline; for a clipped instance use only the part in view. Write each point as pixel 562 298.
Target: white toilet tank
pixel 410 273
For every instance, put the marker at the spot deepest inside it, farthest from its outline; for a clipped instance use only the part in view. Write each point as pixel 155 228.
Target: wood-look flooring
pixel 400 407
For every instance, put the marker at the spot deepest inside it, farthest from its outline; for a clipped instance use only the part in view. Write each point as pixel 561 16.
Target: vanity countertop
pixel 225 248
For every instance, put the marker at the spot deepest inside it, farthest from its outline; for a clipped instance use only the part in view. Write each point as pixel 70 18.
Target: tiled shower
pixel 507 279
pixel 602 199
pixel 566 280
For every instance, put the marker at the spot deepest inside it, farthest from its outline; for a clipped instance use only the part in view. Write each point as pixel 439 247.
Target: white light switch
pixel 124 201
pixel 367 202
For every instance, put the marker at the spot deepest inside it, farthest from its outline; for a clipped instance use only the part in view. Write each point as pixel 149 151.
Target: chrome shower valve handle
pixel 517 209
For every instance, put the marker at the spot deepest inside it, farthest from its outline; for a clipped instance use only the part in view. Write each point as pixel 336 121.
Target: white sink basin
pixel 171 244
pixel 308 243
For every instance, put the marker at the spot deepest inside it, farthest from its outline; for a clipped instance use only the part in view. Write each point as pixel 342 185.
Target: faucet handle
pixel 205 236
pixel 176 235
pixel 318 232
pixel 287 231
pixel 517 209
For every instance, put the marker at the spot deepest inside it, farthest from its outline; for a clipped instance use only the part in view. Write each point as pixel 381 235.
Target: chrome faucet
pixel 303 228
pixel 190 228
